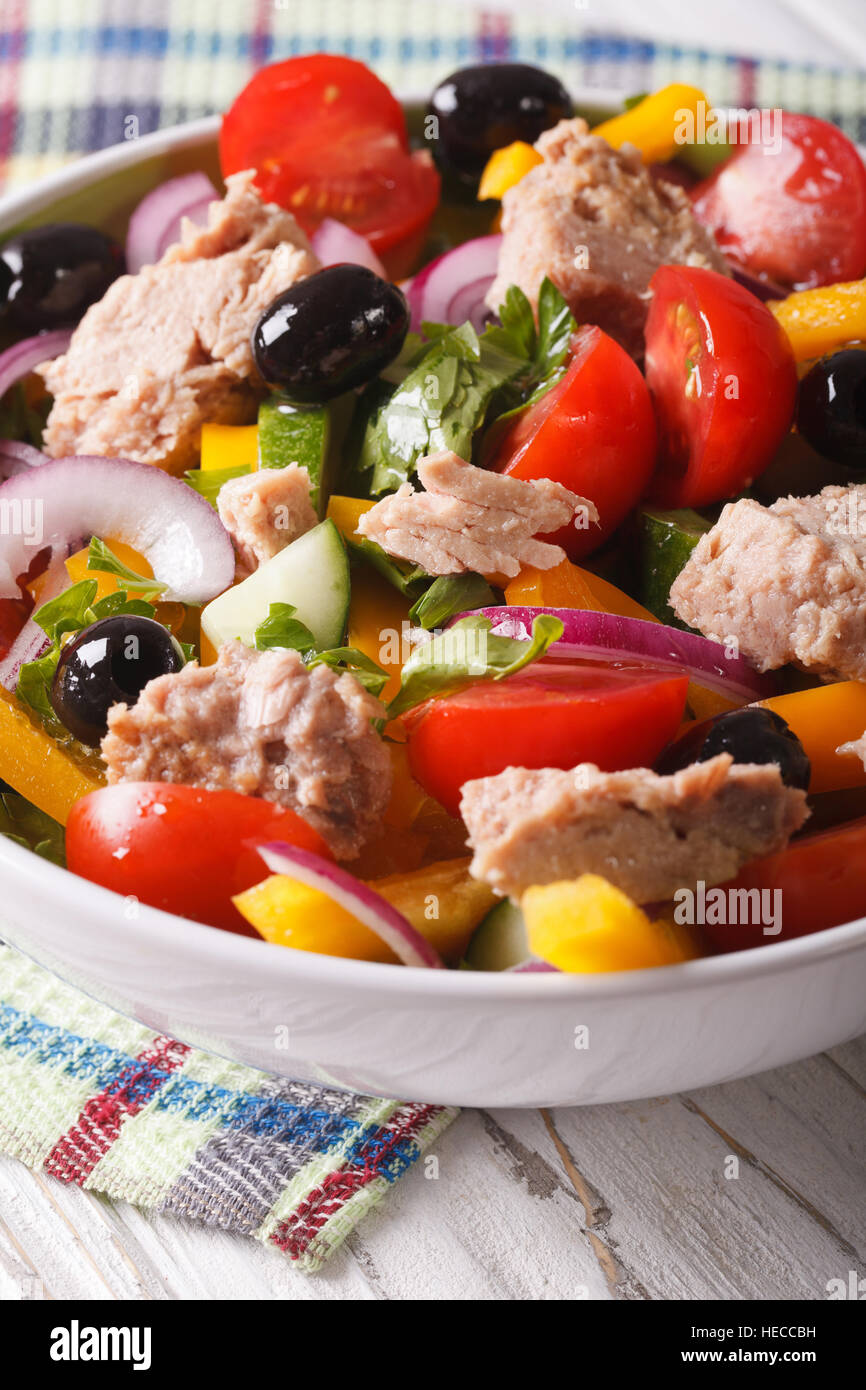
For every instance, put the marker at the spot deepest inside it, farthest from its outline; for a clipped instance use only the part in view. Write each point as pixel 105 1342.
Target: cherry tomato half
pixel 184 849
pixel 327 139
pixel 556 714
pixel 794 211
pixel 594 432
pixel 723 380
pixel 821 882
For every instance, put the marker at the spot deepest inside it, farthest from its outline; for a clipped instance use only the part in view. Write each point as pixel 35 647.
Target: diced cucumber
pixel 288 435
pixel 312 574
pixel 499 940
pixel 667 539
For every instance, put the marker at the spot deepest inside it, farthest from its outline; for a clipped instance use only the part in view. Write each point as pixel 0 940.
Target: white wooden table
pixel 634 1201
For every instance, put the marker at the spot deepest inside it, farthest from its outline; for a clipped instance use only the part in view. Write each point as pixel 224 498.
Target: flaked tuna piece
pixel 648 835
pixel 261 723
pixel 592 219
pixel 468 518
pixel 265 511
pixel 786 582
pixel 169 348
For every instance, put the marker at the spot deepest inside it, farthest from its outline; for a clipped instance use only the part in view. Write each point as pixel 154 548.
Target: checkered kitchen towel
pixel 73 71
pixel 92 1098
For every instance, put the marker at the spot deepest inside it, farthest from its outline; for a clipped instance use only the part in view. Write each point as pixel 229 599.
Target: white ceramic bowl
pixel 453 1037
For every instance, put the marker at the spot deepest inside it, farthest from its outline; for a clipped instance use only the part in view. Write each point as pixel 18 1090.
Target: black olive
pixel 831 408
pixel 478 110
pixel 330 333
pixel 750 735
pixel 52 274
pixel 109 663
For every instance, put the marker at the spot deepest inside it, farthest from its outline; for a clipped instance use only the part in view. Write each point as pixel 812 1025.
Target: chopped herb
pixel 406 579
pixel 100 557
pixel 282 629
pixel 357 663
pixel 207 482
pixel 469 652
pixel 440 404
pixel 449 595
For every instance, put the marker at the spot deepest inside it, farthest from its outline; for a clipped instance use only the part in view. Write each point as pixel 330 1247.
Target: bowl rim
pixel 155 928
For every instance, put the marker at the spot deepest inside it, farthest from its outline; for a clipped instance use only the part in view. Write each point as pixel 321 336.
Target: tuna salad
pixel 467 572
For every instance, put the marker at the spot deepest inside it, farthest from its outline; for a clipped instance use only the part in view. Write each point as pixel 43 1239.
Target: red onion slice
pixel 356 897
pixel 336 244
pixel 17 457
pixel 590 636
pixel 18 361
pixel 155 223
pixel 31 641
pixel 65 501
pixel 452 288
pixel 533 967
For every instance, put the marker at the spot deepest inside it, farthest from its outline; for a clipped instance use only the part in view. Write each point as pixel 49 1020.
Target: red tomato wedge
pixel 184 849
pixel 594 432
pixel 723 380
pixel 327 139
pixel 794 212
pixel 821 882
pixel 14 613
pixel 556 714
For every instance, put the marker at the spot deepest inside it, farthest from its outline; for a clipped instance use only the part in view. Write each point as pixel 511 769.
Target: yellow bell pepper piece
pixel 441 901
pixel 346 512
pixel 505 168
pixel 38 767
pixel 377 613
pixel 229 446
pixel 587 926
pixel 568 586
pixel 822 719
pixel 821 320
pixel 76 568
pixel 652 124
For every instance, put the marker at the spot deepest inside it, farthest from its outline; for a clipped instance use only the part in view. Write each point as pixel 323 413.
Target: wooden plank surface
pixel 750 1190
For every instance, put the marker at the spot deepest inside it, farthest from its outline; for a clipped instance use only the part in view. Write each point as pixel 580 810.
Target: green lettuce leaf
pixel 469 652
pixel 358 664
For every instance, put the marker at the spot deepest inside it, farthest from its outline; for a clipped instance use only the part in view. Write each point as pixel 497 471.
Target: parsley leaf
pixel 448 595
pixel 100 557
pixel 439 405
pixel 282 629
pixel 405 578
pixel 469 652
pixel 357 663
pixel 207 482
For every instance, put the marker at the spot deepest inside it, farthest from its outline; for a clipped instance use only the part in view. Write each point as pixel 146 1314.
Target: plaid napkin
pixel 72 72
pixel 92 1098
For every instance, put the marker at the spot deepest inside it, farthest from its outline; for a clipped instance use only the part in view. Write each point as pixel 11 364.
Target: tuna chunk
pixel 261 723
pixel 265 511
pixel 592 219
pixel 786 582
pixel 470 519
pixel 857 748
pixel 169 348
pixel 646 834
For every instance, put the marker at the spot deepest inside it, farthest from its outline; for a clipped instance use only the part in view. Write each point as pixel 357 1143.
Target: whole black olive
pixel 478 110
pixel 750 735
pixel 109 663
pixel 52 274
pixel 831 408
pixel 330 333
